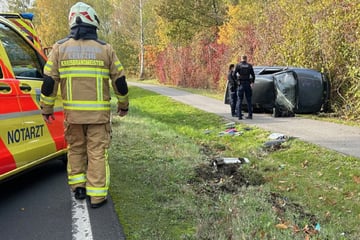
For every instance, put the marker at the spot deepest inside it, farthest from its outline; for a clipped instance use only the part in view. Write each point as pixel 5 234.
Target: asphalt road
pixel 38 205
pixel 337 137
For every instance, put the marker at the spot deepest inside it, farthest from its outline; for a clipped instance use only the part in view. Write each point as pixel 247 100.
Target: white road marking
pixel 81 226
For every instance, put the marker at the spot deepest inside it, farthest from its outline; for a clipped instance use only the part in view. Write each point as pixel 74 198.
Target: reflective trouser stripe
pixel 75 179
pixel 101 191
pixel 96 192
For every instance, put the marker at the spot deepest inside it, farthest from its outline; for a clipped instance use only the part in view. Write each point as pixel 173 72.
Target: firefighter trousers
pixel 88 158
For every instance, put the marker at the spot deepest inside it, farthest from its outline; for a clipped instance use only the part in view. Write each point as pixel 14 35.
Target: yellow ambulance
pixel 25 139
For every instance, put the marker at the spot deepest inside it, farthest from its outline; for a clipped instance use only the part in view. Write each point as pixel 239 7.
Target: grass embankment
pixel 165 188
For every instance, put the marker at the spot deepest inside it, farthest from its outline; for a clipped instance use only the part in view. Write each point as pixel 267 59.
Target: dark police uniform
pixel 245 76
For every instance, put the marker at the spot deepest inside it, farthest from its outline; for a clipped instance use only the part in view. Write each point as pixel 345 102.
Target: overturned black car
pixel 285 91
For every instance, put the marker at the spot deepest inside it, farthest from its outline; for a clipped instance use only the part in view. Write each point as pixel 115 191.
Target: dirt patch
pixel 226 178
pixel 229 178
pixel 213 179
pixel 281 205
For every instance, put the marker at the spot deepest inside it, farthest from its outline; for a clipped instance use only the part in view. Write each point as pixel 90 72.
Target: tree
pixel 20 6
pixel 184 19
pixel 52 22
pixel 134 22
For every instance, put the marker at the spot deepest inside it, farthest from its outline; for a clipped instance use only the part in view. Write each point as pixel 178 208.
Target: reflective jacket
pixel 83 70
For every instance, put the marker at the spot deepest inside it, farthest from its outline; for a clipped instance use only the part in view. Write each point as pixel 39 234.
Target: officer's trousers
pixel 88 159
pixel 233 101
pixel 244 89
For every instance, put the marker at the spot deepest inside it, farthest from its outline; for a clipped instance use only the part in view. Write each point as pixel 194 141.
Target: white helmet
pixel 83 13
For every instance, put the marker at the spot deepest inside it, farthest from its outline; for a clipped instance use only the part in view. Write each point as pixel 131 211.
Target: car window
pixel 23 58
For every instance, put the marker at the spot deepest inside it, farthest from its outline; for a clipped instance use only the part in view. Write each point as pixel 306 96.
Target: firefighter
pixel 81 66
pixel 245 75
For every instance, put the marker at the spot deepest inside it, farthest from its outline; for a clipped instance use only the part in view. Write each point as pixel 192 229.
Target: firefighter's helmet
pixel 83 14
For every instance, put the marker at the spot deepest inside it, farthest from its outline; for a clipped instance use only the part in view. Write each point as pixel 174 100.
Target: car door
pixel 9 109
pixel 285 84
pixel 41 140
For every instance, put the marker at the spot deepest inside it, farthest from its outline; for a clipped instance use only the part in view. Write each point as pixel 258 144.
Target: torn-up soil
pixel 213 179
pixel 226 178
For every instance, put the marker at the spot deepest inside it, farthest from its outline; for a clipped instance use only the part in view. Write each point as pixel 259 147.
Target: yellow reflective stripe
pixel 69 88
pixel 99 89
pixel 79 178
pixel 48 66
pixel 119 66
pixel 97 192
pixel 47 100
pixel 77 62
pixel 107 169
pixel 122 98
pixel 87 105
pixel 83 72
pixel 25 25
pixel 28 29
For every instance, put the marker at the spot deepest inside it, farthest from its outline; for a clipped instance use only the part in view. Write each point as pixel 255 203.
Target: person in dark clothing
pixel 232 88
pixel 244 73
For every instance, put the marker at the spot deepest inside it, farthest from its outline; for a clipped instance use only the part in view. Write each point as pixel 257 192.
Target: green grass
pixel 219 95
pixel 164 187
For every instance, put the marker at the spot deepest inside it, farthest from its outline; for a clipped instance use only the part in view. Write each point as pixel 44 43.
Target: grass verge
pixel 165 186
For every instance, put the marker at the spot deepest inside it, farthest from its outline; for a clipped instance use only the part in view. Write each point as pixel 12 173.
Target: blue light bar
pixel 29 16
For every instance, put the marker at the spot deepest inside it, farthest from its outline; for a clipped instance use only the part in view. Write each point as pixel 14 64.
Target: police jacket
pixel 84 69
pixel 244 72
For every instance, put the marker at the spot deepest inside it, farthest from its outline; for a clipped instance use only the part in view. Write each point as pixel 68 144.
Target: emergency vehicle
pixel 26 140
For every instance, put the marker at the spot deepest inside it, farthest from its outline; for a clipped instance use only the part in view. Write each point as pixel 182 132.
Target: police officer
pixel 245 76
pixel 81 66
pixel 232 88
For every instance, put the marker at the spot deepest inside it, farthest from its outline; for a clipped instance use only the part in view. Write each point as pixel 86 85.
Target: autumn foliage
pixel 322 35
pixel 191 43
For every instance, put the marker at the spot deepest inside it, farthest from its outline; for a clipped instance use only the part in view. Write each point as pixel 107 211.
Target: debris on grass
pixel 273 145
pixel 276 142
pixel 231 132
pixel 277 136
pixel 230 125
pixel 227 160
pixel 230 129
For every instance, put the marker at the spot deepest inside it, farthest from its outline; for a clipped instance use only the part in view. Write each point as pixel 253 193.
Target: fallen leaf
pixel 356 179
pixel 281 226
pixel 305 164
pixel 349 195
pixel 296 229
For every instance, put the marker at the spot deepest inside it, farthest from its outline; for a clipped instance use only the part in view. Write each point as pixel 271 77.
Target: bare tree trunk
pixel 142 47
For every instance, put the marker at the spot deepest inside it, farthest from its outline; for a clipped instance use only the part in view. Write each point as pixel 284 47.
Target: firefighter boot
pixel 80 193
